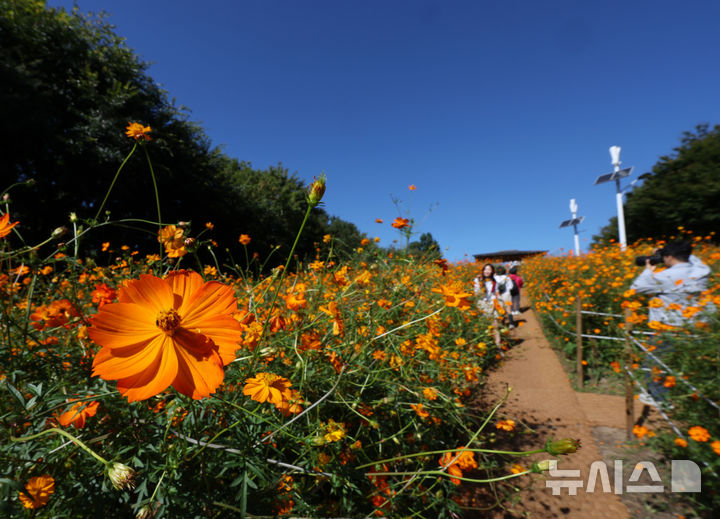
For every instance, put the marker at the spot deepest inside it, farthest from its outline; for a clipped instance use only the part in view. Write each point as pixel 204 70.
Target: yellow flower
pixel 506 425
pixel 430 393
pixel 268 387
pixel 334 431
pixel 137 131
pixel 37 491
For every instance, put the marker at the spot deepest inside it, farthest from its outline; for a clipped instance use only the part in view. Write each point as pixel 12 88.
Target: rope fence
pixel 631 342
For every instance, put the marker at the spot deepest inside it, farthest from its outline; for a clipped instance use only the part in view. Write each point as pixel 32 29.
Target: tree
pixel 68 88
pixel 426 247
pixel 683 190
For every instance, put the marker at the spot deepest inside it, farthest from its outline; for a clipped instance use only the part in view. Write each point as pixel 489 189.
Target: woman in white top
pixel 485 287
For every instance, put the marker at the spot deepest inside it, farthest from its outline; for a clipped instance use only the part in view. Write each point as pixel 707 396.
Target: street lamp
pixel 616 175
pixel 574 221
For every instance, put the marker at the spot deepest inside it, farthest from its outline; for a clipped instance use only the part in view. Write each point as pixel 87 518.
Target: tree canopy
pixel 68 88
pixel 683 190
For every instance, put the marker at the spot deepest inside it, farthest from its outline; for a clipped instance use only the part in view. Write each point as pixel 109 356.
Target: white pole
pixel 615 156
pixel 573 210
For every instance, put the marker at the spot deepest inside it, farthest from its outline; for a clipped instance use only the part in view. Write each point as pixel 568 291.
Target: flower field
pixel 150 384
pixel 601 280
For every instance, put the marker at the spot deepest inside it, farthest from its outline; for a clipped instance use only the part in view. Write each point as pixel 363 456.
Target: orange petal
pixel 120 324
pixel 198 379
pixel 225 332
pixel 114 364
pixel 211 299
pixel 153 380
pixel 150 292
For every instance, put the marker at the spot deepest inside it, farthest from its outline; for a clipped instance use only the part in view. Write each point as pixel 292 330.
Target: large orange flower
pixel 37 491
pixel 5 225
pixel 175 331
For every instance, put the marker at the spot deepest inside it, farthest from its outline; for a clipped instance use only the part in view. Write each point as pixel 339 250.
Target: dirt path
pixel 544 404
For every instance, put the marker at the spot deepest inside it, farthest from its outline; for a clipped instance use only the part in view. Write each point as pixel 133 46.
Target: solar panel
pixel 614 175
pixel 572 221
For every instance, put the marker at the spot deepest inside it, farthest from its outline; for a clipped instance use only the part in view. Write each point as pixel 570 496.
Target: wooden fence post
pixel 578 330
pixel 629 389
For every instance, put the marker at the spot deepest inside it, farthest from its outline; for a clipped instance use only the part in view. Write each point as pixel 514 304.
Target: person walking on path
pixel 515 292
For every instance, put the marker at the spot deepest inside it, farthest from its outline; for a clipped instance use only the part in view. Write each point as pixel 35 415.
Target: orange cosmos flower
pixel 454 296
pixel 5 226
pixel 175 331
pixel 641 431
pixel 680 442
pixel 333 311
pixel 699 434
pixel 268 387
pixel 78 413
pixel 137 131
pixel 506 425
pixel 378 220
pixel 669 381
pixel 716 447
pixel 412 187
pixel 420 410
pixel 446 461
pixel 103 294
pixel 401 223
pixel 172 238
pixel 37 491
pixel 244 239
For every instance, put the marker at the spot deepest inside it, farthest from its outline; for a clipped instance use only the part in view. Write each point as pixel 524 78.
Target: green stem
pixel 441 473
pixel 68 436
pixel 157 195
pixel 152 174
pixel 428 453
pixel 282 277
pixel 117 174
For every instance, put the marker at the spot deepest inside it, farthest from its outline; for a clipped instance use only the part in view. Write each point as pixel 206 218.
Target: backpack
pixel 517 280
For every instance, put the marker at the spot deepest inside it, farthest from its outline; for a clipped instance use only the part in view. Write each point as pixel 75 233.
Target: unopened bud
pixel 146 512
pixel 189 242
pixel 121 476
pixel 59 232
pixel 564 446
pixel 73 217
pixel 544 465
pixel 316 191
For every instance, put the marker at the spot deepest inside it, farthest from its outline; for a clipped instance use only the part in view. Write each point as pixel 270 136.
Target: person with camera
pixel 677 286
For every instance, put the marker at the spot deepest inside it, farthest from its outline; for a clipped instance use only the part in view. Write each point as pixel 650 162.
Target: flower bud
pixel 73 217
pixel 564 446
pixel 121 476
pixel 59 231
pixel 541 466
pixel 316 191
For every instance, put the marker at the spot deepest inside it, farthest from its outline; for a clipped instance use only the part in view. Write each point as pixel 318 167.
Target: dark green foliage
pixel 425 247
pixel 682 191
pixel 68 88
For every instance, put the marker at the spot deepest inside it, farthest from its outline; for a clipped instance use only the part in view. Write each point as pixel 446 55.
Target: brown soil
pixel 543 404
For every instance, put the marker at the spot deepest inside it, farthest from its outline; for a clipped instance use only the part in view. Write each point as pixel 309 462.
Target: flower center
pixel 168 321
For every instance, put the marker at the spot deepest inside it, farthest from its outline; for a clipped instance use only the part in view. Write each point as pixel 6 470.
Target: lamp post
pixel 616 175
pixel 574 221
pixel 615 158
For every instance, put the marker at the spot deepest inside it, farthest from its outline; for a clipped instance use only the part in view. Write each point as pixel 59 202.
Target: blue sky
pixel 499 112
